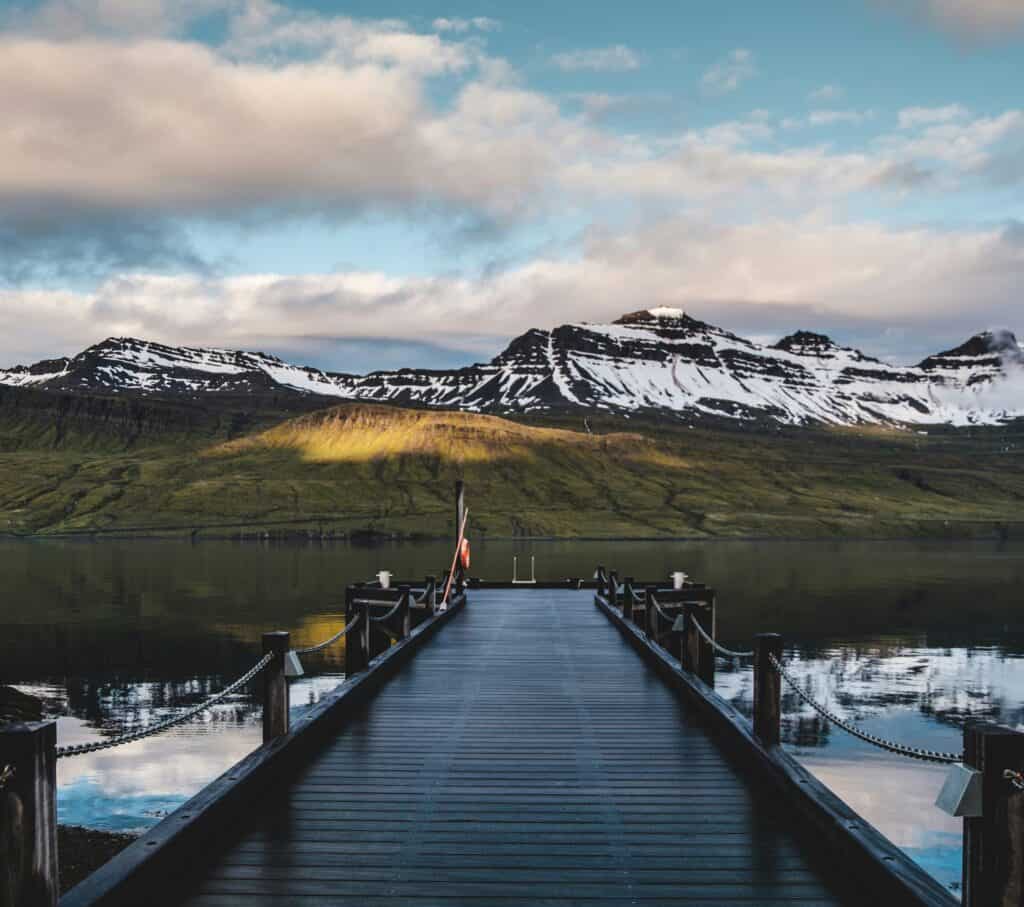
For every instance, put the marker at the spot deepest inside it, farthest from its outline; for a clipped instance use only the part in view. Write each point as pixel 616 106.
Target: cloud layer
pixel 806 274
pixel 122 133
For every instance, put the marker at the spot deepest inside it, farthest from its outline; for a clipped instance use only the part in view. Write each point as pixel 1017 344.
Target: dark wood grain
pixel 527 756
pixel 276 700
pixel 28 811
pixel 994 842
pixel 858 853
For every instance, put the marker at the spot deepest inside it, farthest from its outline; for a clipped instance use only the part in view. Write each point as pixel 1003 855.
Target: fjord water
pixel 908 639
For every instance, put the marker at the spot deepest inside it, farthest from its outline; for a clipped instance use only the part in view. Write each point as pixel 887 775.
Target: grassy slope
pixel 359 467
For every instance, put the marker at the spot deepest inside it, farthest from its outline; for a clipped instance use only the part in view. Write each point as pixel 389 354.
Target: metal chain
pixel 6 775
pixel 159 727
pixel 658 608
pixel 382 617
pixel 309 650
pixel 722 650
pixel 899 748
pixel 1015 778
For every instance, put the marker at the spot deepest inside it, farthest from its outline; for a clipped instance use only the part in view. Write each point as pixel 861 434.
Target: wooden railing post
pixel 705 669
pixel 28 815
pixel 460 507
pixel 695 653
pixel 613 588
pixel 366 631
pixel 430 595
pixel 688 652
pixel 405 611
pixel 994 842
pixel 275 686
pixel 355 659
pixel 767 689
pixel 627 598
pixel 650 614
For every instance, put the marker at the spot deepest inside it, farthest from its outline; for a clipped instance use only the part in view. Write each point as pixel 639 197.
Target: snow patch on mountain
pixel 658 361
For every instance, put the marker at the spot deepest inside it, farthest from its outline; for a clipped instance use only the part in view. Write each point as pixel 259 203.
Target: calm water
pixel 909 639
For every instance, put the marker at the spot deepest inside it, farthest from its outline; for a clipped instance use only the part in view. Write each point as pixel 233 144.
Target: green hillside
pixel 68 465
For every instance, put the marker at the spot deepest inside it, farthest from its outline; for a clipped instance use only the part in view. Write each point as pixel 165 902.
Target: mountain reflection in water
pixel 907 639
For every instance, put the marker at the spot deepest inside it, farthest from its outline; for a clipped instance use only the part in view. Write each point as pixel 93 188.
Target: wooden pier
pixel 554 744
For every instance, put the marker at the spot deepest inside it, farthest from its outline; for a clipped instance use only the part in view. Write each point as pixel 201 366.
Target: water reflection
pixel 906 639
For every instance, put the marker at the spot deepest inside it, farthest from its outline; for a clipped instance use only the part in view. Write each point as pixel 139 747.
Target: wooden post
pixel 404 611
pixel 460 507
pixel 460 514
pixel 355 658
pixel 431 595
pixel 602 580
pixel 688 653
pixel 627 598
pixel 28 815
pixel 650 614
pixel 767 689
pixel 613 588
pixel 705 651
pixel 994 842
pixel 371 636
pixel 275 686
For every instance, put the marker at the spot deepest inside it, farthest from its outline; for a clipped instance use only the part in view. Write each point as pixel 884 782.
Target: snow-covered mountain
pixel 654 361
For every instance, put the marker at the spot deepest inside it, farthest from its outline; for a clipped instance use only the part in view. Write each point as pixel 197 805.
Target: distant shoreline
pixel 996 531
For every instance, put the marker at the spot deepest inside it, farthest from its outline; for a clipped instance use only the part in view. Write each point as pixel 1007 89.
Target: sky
pixel 380 184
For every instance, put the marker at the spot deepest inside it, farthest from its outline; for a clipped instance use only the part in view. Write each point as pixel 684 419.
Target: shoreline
pixel 993 530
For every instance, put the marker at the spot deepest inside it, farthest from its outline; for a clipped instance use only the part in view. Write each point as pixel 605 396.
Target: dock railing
pixel 674 629
pixel 382 627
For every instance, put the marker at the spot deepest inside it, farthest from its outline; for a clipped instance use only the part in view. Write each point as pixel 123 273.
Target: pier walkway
pixel 526 755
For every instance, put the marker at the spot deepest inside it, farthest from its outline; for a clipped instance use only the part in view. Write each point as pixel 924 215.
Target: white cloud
pixel 965 145
pixel 864 271
pixel 911 117
pixel 460 26
pixel 174 127
pixel 832 117
pixel 727 75
pixel 617 58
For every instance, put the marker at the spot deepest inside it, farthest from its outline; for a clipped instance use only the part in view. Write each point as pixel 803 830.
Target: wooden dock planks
pixel 526 756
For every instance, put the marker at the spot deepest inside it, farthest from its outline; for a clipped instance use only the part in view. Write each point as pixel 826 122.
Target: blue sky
pixel 395 183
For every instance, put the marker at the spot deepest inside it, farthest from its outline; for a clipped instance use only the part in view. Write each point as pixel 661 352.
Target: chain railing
pixel 891 746
pixel 381 618
pixel 900 749
pixel 330 641
pixel 161 726
pixel 718 647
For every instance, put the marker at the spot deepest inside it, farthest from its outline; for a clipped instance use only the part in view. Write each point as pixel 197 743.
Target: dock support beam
pixel 275 686
pixel 28 815
pixel 767 689
pixel 994 842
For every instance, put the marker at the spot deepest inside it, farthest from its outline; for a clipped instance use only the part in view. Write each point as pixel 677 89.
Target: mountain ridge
pixel 659 362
